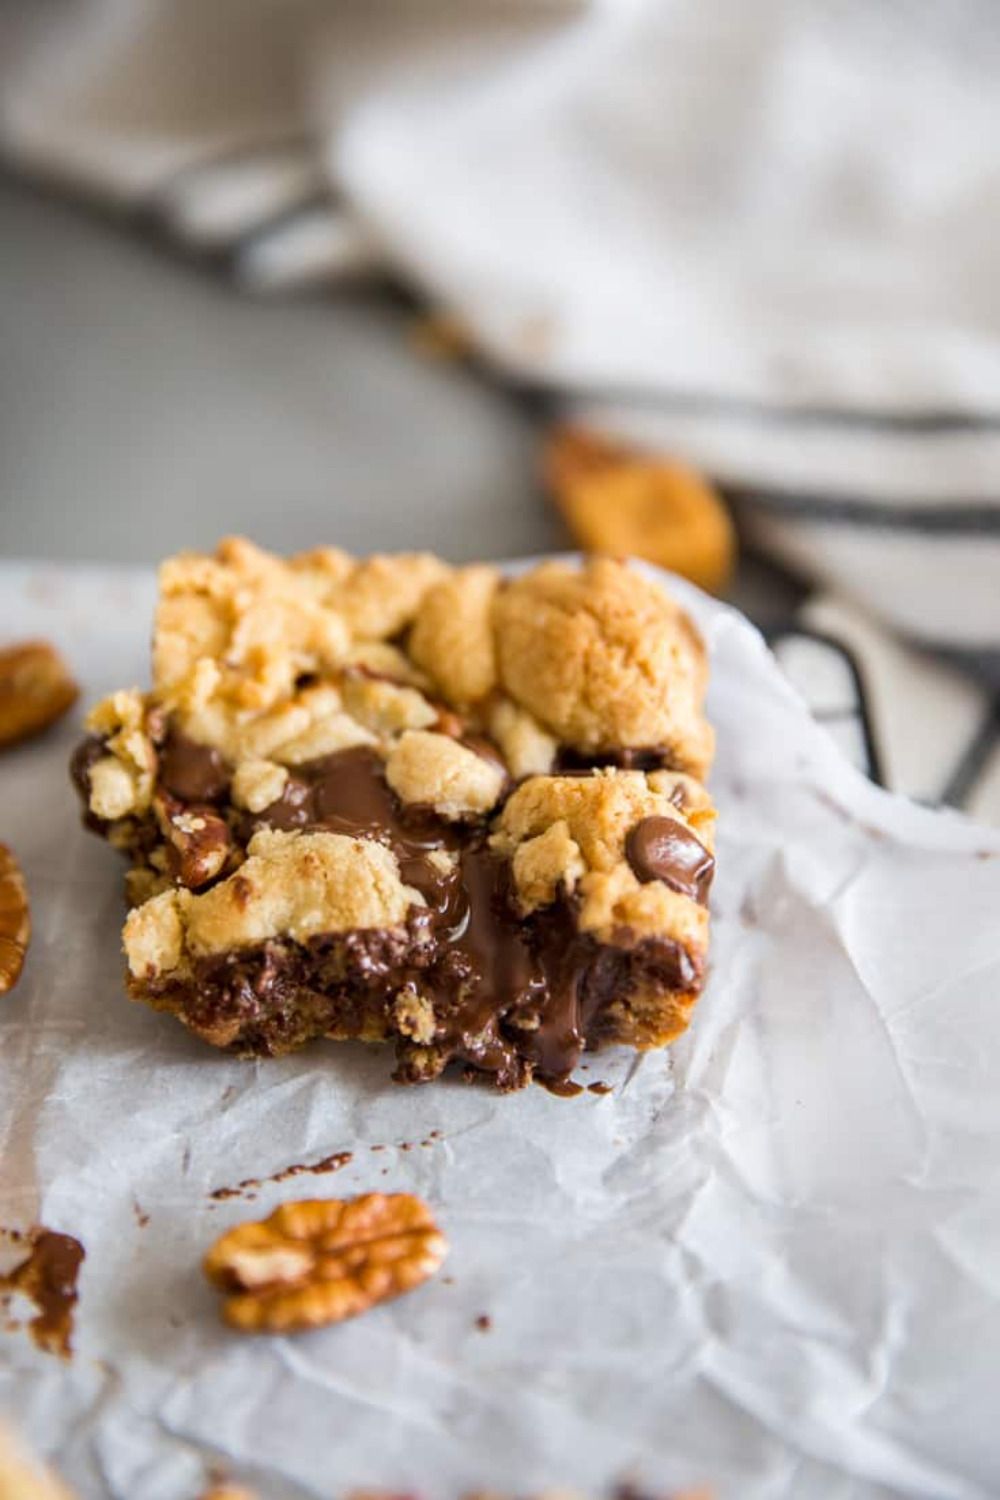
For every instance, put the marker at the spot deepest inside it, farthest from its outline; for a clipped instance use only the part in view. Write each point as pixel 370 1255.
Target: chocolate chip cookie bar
pixel 391 799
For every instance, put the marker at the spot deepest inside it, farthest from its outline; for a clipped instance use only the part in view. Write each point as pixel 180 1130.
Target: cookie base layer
pixel 573 994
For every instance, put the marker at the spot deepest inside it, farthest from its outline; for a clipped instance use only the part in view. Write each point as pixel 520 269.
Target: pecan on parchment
pixel 35 690
pixel 15 922
pixel 321 1261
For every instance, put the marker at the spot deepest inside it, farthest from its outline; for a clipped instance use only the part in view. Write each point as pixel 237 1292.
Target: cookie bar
pixel 393 800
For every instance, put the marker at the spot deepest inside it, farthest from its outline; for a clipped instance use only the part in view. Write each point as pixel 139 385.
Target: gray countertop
pixel 147 405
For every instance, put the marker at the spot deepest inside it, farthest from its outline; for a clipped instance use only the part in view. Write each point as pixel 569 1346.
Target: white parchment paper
pixel 769 1260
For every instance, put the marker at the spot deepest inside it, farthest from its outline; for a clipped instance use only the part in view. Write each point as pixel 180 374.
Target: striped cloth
pixel 763 237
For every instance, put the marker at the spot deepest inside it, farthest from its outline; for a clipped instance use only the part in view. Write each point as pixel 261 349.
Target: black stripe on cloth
pixel 143 223
pixel 156 199
pixel 971 764
pixel 151 213
pixel 981 661
pixel 933 518
pixel 746 408
pixel 279 220
pixel 863 712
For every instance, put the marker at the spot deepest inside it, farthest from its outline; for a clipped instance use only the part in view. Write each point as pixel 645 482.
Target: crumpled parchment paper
pixel 769 1260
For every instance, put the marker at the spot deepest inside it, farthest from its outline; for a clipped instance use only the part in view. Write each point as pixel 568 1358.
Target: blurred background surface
pixel 233 242
pixel 147 404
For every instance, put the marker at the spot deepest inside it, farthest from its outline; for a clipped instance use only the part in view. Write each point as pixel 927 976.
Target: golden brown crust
pixel 618 500
pixel 121 785
pixel 570 833
pixel 258 658
pixel 434 770
pixel 295 885
pixel 646 1017
pixel 261 622
pixel 528 749
pixel 604 660
pixel 453 637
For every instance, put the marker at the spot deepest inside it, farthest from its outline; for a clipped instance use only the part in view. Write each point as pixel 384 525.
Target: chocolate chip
pixel 664 849
pixel 626 758
pixel 192 772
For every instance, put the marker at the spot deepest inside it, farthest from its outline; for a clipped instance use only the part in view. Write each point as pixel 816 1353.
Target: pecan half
pixel 198 840
pixel 35 690
pixel 622 501
pixel 15 921
pixel 321 1261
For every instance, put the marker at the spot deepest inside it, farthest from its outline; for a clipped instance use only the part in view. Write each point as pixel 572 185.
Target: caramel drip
pixel 47 1277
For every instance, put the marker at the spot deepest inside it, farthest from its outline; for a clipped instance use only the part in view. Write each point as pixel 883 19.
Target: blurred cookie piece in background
pixel 618 500
pixel 36 689
pixel 15 920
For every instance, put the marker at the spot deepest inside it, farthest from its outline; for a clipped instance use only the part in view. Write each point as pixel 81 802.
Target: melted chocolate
pixel 192 772
pixel 468 949
pixel 86 755
pixel 347 793
pixel 248 1186
pixel 511 996
pixel 188 771
pixel 665 849
pixel 139 835
pixel 488 973
pixel 486 750
pixel 534 1010
pixel 48 1279
pixel 626 758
